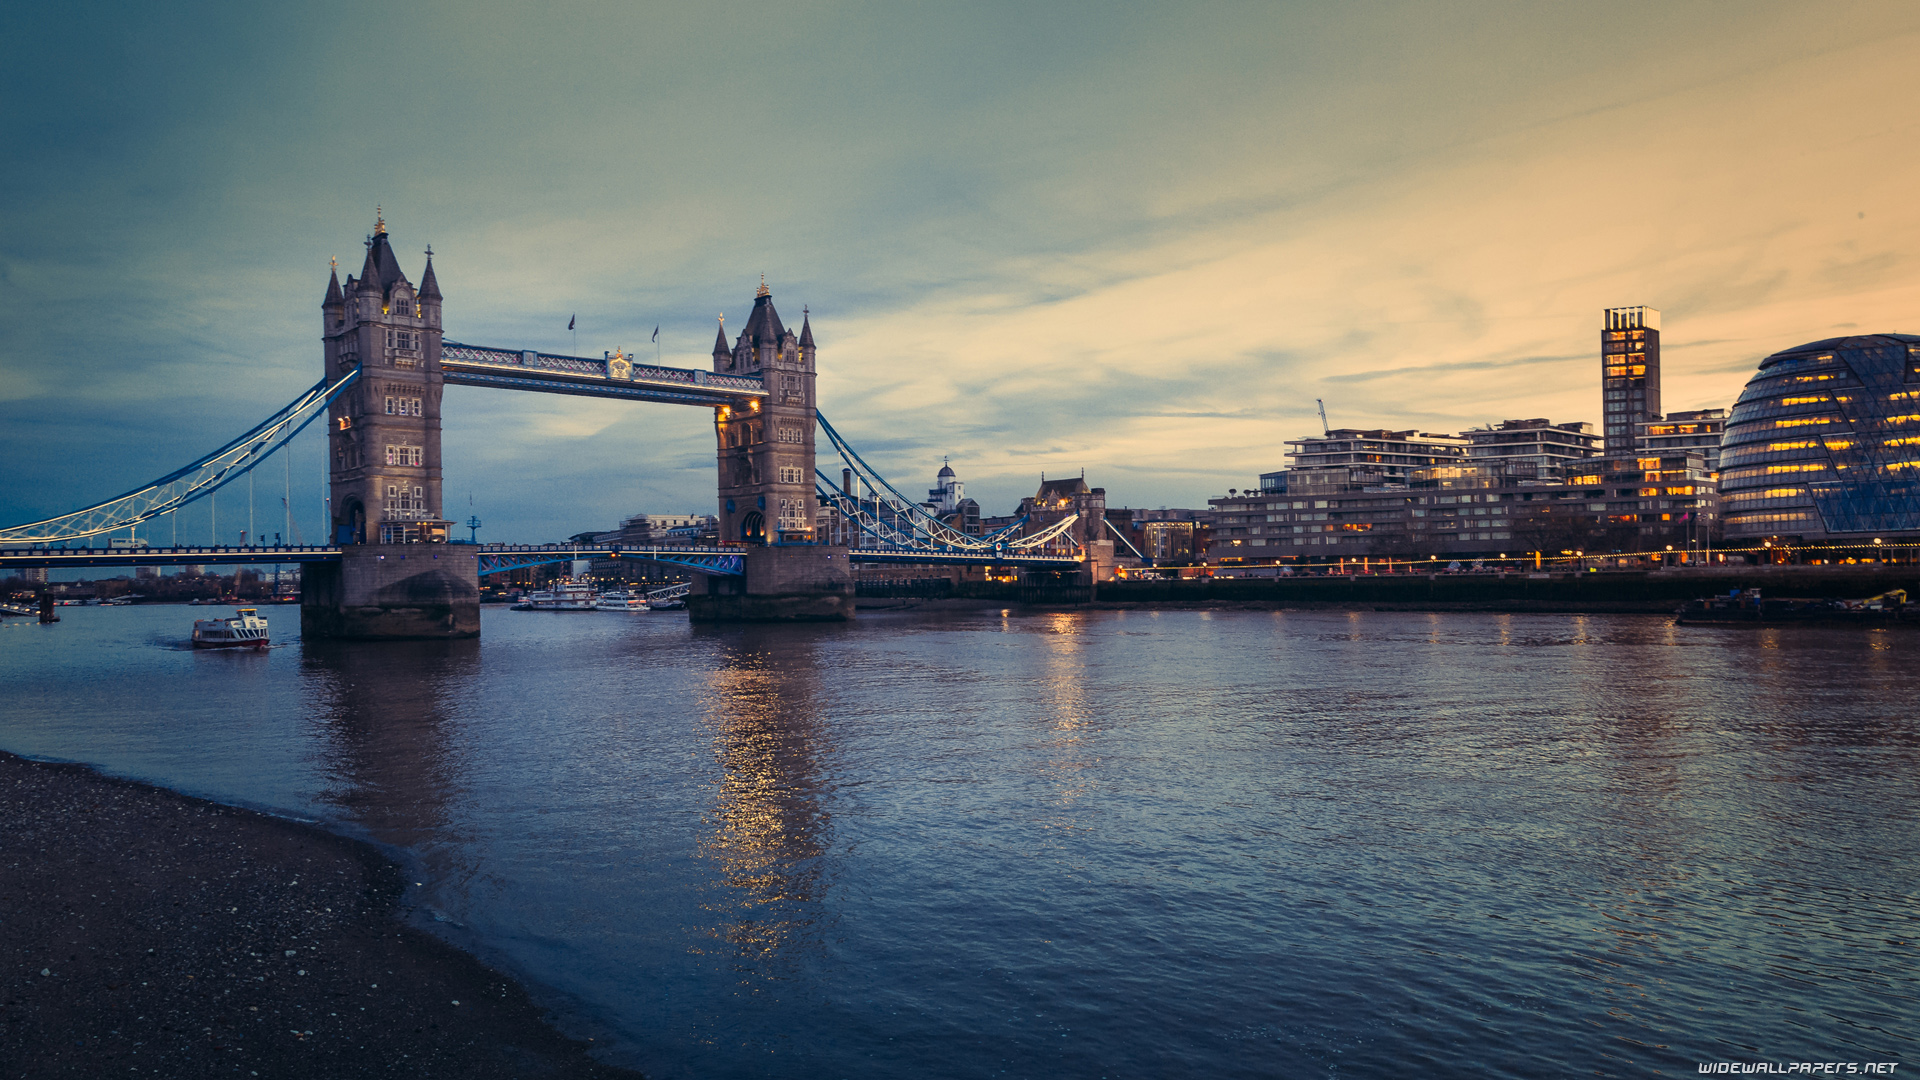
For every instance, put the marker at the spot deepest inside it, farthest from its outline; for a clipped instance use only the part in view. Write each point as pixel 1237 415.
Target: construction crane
pixel 1325 428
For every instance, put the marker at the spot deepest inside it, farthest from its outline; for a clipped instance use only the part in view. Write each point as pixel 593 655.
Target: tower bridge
pixel 389 568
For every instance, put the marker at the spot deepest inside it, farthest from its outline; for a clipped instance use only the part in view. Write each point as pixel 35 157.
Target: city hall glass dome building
pixel 1824 444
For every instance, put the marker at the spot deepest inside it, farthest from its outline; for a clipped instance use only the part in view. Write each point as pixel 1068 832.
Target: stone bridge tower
pixel 766 453
pixel 767 500
pixel 384 432
pixel 396 577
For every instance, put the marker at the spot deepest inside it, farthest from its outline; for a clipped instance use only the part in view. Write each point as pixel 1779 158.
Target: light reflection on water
pixel 1086 844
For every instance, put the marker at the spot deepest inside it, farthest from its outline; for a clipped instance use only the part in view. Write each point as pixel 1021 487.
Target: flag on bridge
pixel 656 333
pixel 570 319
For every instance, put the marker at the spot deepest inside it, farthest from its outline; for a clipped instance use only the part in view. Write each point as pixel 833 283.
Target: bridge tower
pixel 396 577
pixel 766 467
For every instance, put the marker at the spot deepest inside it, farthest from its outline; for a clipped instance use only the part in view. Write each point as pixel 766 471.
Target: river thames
pixel 1091 844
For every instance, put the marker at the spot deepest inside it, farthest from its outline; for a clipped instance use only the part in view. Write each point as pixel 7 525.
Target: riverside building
pixel 1386 456
pixel 1463 511
pixel 1824 445
pixel 1700 431
pixel 1539 447
pixel 1629 375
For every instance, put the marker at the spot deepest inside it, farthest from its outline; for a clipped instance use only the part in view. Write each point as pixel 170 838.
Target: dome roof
pixel 1854 341
pixel 945 472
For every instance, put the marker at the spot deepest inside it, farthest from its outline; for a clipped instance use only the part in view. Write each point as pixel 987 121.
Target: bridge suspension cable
pixel 899 522
pixel 182 486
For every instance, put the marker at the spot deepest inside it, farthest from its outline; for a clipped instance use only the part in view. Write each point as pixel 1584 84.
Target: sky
pixel 1140 240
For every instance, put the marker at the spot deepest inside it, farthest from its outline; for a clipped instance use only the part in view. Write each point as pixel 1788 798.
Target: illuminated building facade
pixel 1824 443
pixel 1629 375
pixel 1537 447
pixel 1699 431
pixel 1379 456
pixel 1473 511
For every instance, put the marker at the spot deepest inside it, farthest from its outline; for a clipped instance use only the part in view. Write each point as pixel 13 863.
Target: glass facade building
pixel 1824 443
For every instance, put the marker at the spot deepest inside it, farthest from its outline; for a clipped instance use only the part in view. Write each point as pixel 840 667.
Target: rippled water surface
pixel 1096 844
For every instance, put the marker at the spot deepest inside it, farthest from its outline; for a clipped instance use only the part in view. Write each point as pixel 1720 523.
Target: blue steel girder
pixel 614 377
pixel 962 558
pixel 185 555
pixel 724 562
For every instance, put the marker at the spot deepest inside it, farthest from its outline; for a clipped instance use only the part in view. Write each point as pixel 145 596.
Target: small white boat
pixel 246 630
pixel 620 600
pixel 565 595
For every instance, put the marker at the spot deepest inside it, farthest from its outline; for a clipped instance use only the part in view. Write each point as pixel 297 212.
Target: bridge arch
pixel 753 527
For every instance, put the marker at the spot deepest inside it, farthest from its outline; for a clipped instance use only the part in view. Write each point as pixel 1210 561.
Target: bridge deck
pixel 508 369
pixel 494 557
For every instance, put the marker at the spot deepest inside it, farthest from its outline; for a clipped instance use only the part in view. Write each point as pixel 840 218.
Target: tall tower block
pixel 1629 375
pixel 766 473
pixel 396 578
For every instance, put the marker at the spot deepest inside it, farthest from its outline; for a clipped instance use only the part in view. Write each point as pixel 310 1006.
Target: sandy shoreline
pixel 143 932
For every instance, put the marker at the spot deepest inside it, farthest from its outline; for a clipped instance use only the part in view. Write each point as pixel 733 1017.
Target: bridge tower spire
pixel 383 450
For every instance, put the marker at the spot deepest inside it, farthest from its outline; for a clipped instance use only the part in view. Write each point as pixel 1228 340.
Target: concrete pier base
pixel 392 591
pixel 783 583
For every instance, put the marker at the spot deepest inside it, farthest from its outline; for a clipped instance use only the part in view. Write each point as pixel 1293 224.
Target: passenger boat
pixel 246 630
pixel 620 600
pixel 565 595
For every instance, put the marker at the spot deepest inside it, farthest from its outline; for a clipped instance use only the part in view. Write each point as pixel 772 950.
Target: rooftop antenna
pixel 1325 428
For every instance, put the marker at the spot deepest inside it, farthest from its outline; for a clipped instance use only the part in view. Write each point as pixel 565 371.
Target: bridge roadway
pixel 494 558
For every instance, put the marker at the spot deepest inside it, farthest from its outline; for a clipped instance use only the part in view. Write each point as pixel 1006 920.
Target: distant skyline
pixel 1137 241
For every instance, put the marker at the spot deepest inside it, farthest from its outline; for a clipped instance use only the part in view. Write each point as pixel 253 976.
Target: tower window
pixel 793 514
pixel 403 455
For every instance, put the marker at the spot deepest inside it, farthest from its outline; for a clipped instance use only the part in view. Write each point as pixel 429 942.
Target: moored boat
pixel 245 630
pixel 564 595
pixel 1748 607
pixel 621 600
